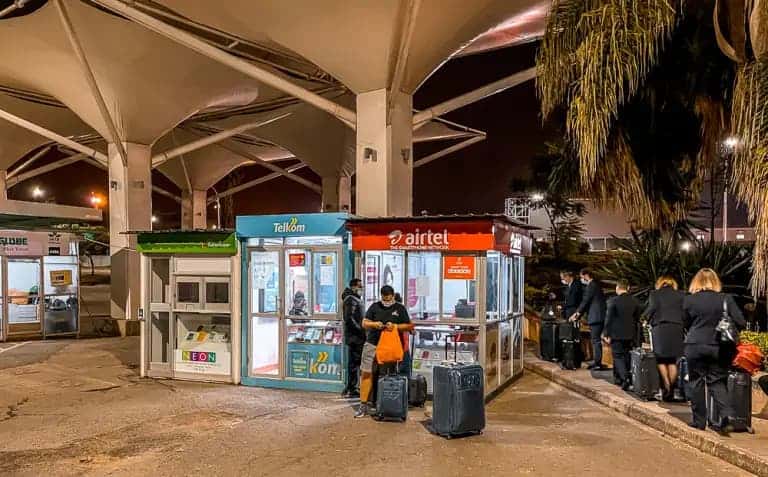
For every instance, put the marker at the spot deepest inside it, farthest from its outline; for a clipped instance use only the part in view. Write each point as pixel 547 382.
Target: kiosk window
pixel 325 282
pixel 217 292
pixel 297 282
pixel 265 275
pixel 423 298
pixel 492 285
pixel 188 292
pixel 160 279
pixel 383 268
pixel 516 285
pixel 504 286
pixel 459 286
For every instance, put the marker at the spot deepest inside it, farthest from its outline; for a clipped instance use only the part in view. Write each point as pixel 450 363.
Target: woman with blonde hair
pixel 665 315
pixel 709 358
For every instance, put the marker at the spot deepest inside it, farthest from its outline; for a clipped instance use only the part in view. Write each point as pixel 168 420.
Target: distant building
pixel 601 226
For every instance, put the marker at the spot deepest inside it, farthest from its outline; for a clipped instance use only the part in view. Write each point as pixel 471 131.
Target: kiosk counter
pixel 294 269
pixel 461 278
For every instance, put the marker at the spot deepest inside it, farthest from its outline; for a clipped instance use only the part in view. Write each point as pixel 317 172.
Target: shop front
pixel 461 278
pixel 294 270
pixel 39 276
pixel 190 322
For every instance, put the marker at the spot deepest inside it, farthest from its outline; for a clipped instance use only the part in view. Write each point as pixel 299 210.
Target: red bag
pixel 748 358
pixel 389 349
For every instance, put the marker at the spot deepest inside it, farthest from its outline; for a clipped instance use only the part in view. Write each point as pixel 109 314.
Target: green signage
pixel 190 243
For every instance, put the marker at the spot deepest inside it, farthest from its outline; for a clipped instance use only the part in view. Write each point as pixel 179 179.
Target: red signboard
pixel 457 267
pixel 435 235
pixel 297 259
pixel 461 236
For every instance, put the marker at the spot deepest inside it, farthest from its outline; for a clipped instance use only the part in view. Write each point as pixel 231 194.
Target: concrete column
pixel 130 209
pixel 3 185
pixel 337 194
pixel 194 210
pixel 384 156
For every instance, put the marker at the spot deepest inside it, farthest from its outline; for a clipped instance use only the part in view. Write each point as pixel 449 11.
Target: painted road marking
pixel 3 350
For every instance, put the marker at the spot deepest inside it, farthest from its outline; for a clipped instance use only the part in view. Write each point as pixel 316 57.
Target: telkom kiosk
pixel 461 278
pixel 294 270
pixel 190 325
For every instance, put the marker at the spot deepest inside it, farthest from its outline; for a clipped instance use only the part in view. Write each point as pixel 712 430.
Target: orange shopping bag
pixel 389 349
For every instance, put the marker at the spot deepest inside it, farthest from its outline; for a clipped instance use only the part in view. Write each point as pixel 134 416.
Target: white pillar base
pixel 130 209
pixel 384 155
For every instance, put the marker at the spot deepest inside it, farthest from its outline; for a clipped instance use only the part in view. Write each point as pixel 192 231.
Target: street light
pixel 685 246
pixel 731 142
pixel 537 197
pixel 37 192
pixel 154 219
pixel 729 147
pixel 96 200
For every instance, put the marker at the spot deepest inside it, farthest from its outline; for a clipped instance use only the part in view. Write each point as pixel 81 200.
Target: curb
pixel 671 427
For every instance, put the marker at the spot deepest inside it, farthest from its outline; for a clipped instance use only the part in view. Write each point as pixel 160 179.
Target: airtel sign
pixel 418 240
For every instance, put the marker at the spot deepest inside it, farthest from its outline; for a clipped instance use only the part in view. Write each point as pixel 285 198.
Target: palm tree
pixel 648 89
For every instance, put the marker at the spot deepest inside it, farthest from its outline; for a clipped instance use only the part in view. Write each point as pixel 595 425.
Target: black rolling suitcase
pixel 645 374
pixel 458 400
pixel 548 342
pixel 570 345
pixel 417 390
pixel 740 395
pixel 392 398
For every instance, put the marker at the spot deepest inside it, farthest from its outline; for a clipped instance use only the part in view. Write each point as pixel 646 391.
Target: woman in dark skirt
pixel 665 315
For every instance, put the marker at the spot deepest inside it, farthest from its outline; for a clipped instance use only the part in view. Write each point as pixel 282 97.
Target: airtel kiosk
pixel 461 278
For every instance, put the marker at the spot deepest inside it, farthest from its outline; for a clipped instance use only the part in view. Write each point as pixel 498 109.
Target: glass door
pixel 265 346
pixel 24 296
pixel 60 277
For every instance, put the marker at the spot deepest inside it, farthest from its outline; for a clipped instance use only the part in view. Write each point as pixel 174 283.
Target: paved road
pixel 83 411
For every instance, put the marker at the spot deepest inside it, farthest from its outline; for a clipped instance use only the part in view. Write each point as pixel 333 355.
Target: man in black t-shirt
pixel 384 314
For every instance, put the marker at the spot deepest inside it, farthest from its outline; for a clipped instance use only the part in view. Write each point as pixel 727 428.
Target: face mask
pixel 357 291
pixel 387 303
pixel 564 282
pixel 584 281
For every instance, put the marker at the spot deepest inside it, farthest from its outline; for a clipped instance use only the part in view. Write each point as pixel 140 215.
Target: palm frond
pixel 750 164
pixel 598 65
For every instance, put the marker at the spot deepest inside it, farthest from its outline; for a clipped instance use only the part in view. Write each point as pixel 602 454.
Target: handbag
pixel 726 329
pixel 390 348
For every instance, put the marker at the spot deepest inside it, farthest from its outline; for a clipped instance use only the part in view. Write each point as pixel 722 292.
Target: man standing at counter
pixel 384 314
pixel 354 334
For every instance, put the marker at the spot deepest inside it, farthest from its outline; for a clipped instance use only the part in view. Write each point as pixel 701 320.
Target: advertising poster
pixel 491 358
pixel 61 278
pixel 297 259
pixel 458 268
pixel 314 361
pixel 203 362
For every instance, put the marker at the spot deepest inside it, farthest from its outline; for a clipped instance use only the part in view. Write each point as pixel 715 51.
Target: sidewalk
pixel 748 451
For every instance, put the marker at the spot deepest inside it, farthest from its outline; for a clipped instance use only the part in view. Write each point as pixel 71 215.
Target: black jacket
pixel 665 305
pixel 353 318
pixel 593 303
pixel 621 317
pixel 702 312
pixel 572 300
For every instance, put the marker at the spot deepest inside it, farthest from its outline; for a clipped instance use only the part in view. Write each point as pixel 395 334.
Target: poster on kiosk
pixel 462 282
pixel 294 270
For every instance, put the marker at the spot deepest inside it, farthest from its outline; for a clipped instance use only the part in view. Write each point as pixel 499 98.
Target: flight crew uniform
pixel 621 318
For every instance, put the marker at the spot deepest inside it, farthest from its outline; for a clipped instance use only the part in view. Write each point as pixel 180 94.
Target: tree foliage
pixel 648 89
